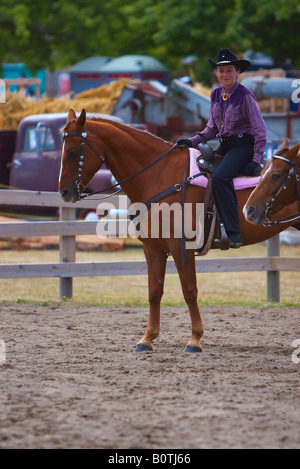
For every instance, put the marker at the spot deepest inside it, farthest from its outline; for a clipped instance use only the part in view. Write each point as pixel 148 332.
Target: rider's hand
pixel 184 141
pixel 252 169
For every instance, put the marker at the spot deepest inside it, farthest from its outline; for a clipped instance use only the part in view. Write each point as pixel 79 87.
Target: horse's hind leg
pixel 188 281
pixel 156 262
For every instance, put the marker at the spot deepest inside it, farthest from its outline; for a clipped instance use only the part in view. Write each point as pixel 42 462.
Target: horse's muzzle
pixel 254 215
pixel 70 195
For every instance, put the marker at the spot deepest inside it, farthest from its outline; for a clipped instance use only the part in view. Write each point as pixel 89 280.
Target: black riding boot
pixel 224 194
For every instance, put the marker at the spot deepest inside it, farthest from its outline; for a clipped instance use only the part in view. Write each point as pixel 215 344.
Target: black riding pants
pixel 235 158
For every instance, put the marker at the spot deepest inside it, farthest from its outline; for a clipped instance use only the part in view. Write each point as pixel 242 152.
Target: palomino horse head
pixel 77 164
pixel 277 187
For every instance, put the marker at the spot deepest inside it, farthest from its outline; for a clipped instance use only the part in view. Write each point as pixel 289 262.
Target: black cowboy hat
pixel 227 57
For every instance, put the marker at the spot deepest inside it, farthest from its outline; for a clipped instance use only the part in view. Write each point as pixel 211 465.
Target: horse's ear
pixel 284 146
pixel 71 115
pixel 82 118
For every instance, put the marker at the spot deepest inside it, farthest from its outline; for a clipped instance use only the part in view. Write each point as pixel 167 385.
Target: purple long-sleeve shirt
pixel 239 114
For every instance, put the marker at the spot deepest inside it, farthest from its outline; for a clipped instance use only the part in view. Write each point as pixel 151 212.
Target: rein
pixel 268 206
pixel 84 140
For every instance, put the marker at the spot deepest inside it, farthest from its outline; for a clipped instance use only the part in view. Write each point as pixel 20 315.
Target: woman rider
pixel 236 120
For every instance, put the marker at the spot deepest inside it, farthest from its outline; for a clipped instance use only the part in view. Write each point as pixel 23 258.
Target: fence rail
pixel 67 228
pixel 90 269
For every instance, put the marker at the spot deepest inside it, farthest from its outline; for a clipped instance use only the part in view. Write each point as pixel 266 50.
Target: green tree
pixel 202 27
pixel 61 32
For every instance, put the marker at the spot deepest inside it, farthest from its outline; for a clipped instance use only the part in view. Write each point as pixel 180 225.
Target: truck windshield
pixel 39 138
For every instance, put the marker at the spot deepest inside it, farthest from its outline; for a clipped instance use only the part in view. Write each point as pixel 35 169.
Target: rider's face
pixel 227 75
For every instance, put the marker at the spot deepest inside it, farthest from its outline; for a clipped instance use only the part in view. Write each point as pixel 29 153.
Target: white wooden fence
pixel 67 228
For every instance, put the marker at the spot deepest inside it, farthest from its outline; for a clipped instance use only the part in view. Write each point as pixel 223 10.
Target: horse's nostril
pixel 251 211
pixel 64 193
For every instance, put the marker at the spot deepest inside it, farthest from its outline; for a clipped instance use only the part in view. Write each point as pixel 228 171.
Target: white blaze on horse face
pixel 268 170
pixel 61 162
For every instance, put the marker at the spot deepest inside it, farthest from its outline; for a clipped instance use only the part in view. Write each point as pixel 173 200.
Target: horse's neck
pixel 297 161
pixel 128 153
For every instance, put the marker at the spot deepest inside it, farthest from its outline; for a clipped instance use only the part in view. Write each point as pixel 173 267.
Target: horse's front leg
pixel 156 262
pixel 188 281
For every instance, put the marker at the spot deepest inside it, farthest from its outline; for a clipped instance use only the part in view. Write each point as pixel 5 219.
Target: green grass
pixel 242 288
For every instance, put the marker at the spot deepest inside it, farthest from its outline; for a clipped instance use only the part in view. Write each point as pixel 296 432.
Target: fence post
pixel 67 253
pixel 273 276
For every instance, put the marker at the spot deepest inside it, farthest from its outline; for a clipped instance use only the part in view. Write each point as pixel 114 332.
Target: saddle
pixel 208 160
pixel 214 228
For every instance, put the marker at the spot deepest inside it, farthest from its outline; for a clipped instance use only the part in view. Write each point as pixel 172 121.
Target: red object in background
pixel 64 84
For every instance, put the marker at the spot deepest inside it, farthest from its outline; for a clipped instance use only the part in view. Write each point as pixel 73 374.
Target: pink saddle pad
pixel 240 183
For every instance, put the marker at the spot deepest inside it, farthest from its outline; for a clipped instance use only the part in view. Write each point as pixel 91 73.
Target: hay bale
pixel 100 100
pixel 202 89
pixel 109 91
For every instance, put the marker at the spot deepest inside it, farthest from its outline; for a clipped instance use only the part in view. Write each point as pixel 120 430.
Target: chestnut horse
pixel 276 199
pixel 136 160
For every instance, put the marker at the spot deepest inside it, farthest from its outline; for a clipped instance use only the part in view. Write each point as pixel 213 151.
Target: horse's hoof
pixel 143 348
pixel 192 349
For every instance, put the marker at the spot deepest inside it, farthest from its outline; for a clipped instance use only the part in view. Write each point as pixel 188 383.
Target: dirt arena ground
pixel 71 379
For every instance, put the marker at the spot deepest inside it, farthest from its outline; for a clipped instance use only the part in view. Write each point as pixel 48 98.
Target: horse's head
pixel 273 191
pixel 79 160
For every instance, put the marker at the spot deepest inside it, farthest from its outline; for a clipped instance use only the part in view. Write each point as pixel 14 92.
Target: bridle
pixel 268 206
pixel 78 182
pixel 84 141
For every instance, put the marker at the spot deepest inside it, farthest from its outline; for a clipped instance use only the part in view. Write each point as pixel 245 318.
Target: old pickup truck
pixel 30 157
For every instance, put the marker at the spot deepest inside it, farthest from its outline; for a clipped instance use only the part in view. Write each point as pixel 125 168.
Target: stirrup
pixel 223 242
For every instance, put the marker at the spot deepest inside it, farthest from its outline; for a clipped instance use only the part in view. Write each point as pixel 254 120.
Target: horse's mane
pixel 129 129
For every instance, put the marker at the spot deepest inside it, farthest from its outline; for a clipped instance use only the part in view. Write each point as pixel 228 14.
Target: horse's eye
pixel 276 176
pixel 73 151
